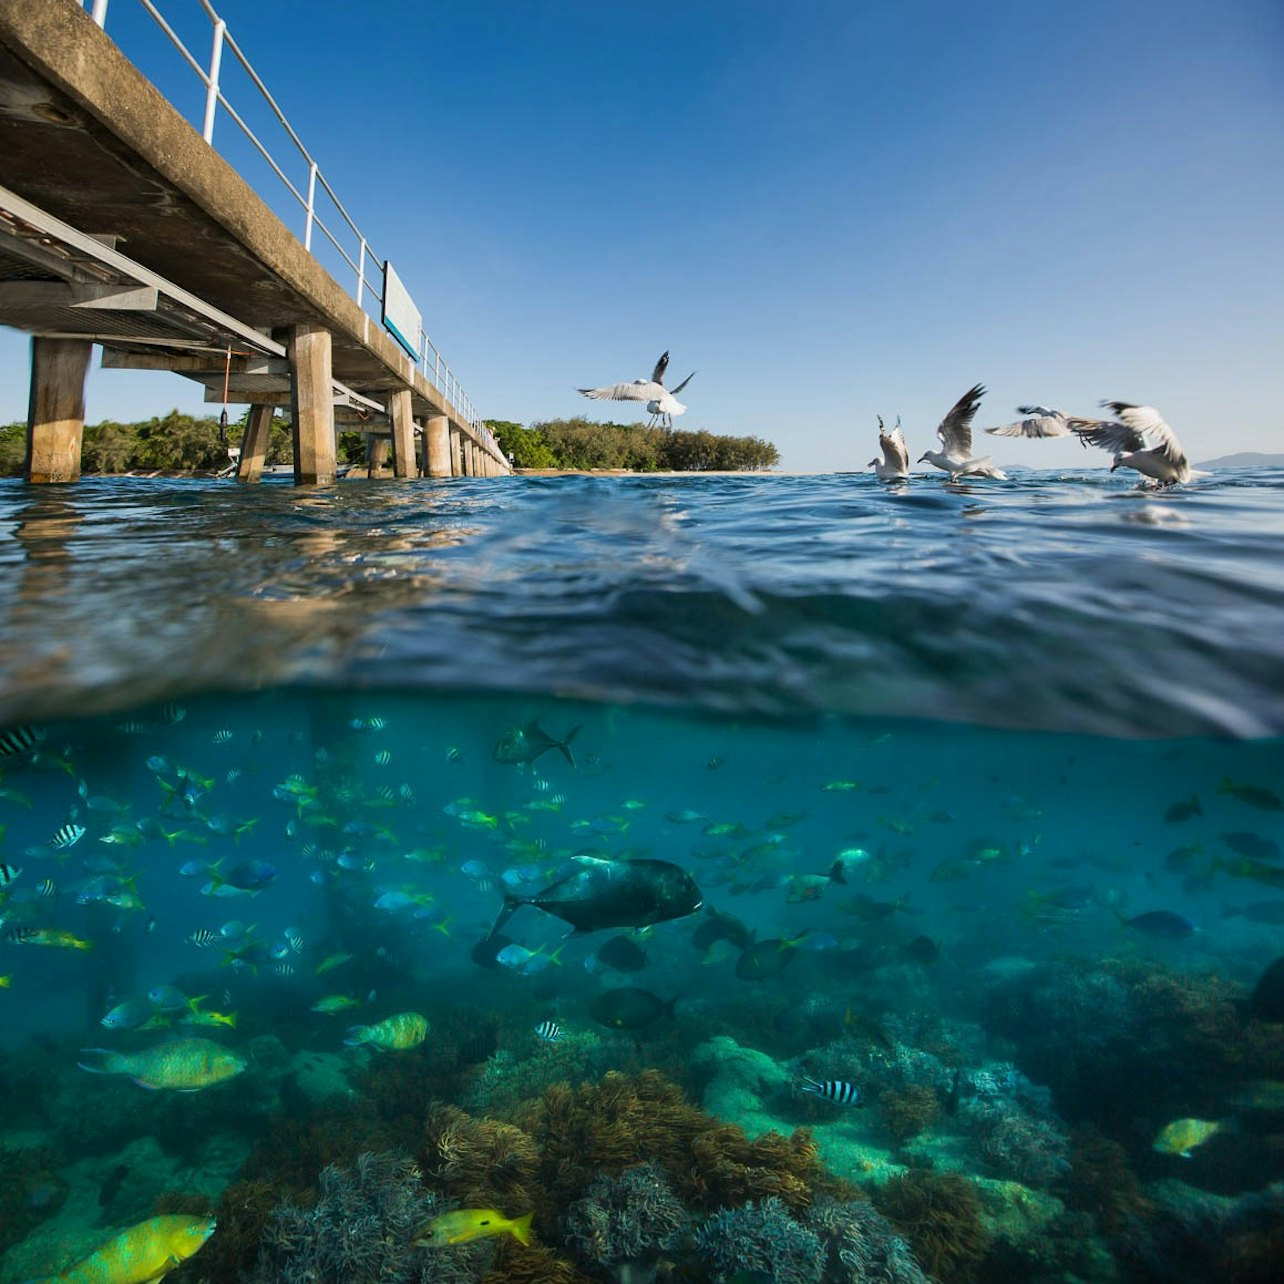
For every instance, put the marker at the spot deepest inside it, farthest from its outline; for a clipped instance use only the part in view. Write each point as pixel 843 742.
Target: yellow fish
pixel 332 960
pixel 5 982
pixel 54 936
pixel 335 1003
pixel 142 1254
pixel 208 1016
pixel 184 1065
pixel 1182 1136
pixel 393 1034
pixel 466 1224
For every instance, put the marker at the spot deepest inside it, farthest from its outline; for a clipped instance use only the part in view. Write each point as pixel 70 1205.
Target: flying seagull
pixel 955 432
pixel 1141 440
pixel 894 465
pixel 1038 421
pixel 661 404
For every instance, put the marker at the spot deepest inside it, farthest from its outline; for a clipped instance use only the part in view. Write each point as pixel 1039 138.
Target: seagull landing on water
pixel 662 405
pixel 1141 440
pixel 894 465
pixel 955 432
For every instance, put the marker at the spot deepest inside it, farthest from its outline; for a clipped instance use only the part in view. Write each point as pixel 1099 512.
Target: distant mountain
pixel 1245 459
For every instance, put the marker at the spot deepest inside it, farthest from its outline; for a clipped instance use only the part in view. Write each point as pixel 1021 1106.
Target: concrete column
pixel 56 410
pixel 470 459
pixel 402 415
pixel 312 402
pixel 254 445
pixel 437 446
pixel 456 451
pixel 377 454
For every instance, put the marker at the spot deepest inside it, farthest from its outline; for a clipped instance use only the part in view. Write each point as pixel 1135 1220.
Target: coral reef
pixel 480 1163
pixel 363 1227
pixel 631 1217
pixel 940 1215
pixel 760 1237
pixel 1102 1183
pixel 31 1190
pixel 860 1245
pixel 909 1110
pixel 508 1078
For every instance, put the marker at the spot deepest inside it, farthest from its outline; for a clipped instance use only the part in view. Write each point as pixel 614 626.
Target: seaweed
pixel 940 1215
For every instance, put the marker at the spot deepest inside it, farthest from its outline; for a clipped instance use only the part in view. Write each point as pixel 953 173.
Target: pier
pixel 121 225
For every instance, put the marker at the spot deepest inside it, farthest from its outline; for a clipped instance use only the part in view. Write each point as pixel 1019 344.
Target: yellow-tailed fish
pixel 393 1034
pixel 183 1065
pixel 209 1017
pixel 332 960
pixel 466 1224
pixel 142 1254
pixel 1182 1136
pixel 51 936
pixel 335 1003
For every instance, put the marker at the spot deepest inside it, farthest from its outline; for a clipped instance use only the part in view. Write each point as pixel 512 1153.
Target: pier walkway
pixel 122 225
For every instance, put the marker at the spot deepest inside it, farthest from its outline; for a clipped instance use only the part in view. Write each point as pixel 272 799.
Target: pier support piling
pixel 377 455
pixel 312 401
pixel 437 446
pixel 401 414
pixel 56 410
pixel 456 452
pixel 254 445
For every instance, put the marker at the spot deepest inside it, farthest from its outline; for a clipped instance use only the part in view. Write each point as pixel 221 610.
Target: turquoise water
pixel 995 772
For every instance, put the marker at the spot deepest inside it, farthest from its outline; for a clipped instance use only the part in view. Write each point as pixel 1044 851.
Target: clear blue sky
pixel 831 210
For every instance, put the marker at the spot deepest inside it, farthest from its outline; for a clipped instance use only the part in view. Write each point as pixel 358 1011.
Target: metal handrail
pixel 428 357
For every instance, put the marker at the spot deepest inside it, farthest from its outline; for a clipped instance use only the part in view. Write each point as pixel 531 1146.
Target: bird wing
pixel 638 390
pixel 657 375
pixel 1039 421
pixel 895 454
pixel 684 383
pixel 955 430
pixel 1109 434
pixel 1147 421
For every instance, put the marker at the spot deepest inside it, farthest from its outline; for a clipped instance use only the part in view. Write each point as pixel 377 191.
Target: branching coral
pixel 760 1237
pixel 860 1245
pixel 363 1228
pixel 480 1163
pixel 507 1079
pixel 627 1218
pixel 908 1111
pixel 940 1215
pixel 1102 1183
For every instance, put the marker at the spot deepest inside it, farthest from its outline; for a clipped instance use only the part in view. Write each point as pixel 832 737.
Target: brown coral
pixel 533 1264
pixel 940 1215
pixel 1103 1183
pixel 482 1163
pixel 909 1110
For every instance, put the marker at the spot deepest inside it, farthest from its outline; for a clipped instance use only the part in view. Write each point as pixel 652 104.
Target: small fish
pixel 521 746
pixel 383 757
pixel 839 1091
pixel 1181 811
pixel 1164 923
pixel 5 982
pixel 629 1008
pixel 294 939
pixel 8 873
pixel 208 1017
pixel 1253 795
pixel 222 737
pixel 549 1031
pixel 1183 1135
pixel 714 763
pixel 368 724
pixel 66 837
pixel 16 742
pixel 232 775
pixel 467 1224
pixel 335 1003
pixel 169 998
pixel 840 786
pixel 47 888
pixel 517 958
pixel 129 1015
pixel 1254 846
pixel 454 754
pixel 172 714
pixel 54 937
pixel 394 1033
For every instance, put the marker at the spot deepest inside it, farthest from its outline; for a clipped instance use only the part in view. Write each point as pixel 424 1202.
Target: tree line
pixel 188 443
pixel 583 443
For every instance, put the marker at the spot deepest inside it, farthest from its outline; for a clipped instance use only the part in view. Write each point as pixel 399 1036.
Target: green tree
pixel 526 447
pixel 13 448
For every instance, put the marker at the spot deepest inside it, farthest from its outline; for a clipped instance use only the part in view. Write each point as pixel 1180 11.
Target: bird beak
pixel 920 459
pixel 871 463
pixel 1114 465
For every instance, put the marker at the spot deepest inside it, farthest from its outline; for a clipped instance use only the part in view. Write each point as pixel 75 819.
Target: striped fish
pixel 8 873
pixel 548 1030
pixel 294 938
pixel 222 737
pixel 67 836
pixel 407 794
pixel 47 888
pixel 172 713
pixel 840 1092
pixel 383 757
pixel 203 938
pixel 19 740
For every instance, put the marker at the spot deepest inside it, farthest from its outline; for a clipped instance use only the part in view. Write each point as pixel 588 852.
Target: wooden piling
pixel 56 409
pixel 312 403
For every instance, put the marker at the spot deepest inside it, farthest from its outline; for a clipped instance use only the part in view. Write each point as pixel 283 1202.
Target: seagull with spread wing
pixel 661 404
pixel 1038 421
pixel 955 432
pixel 894 465
pixel 1140 439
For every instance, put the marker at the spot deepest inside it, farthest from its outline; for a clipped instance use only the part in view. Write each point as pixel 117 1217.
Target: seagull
pixel 1141 440
pixel 1039 421
pixel 894 465
pixel 661 404
pixel 955 432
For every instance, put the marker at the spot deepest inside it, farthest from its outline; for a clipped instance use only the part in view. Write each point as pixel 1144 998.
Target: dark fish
pixel 868 910
pixel 523 745
pixel 1267 1000
pixel 111 1186
pixel 629 1008
pixel 765 959
pixel 1180 811
pixel 485 953
pixel 613 893
pixel 839 1091
pixel 952 1100
pixel 1253 795
pixel 20 740
pixel 1178 860
pixel 721 927
pixel 1245 843
pixel 622 953
pixel 922 949
pixel 1161 923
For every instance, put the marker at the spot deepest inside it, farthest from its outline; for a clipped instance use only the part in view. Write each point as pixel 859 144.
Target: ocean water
pixel 980 787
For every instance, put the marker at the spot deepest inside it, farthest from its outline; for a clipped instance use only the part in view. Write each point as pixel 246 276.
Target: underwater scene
pixel 700 941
